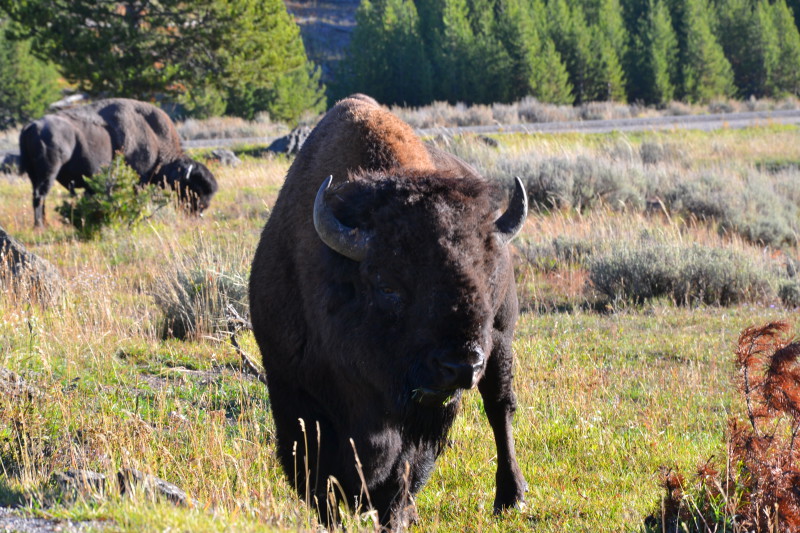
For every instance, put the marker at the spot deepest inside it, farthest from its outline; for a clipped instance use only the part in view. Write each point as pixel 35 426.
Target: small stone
pixel 82 481
pixel 14 386
pixel 226 157
pixel 132 480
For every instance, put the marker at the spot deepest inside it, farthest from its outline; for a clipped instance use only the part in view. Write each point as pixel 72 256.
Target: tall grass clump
pixel 113 198
pixel 203 292
pixel 756 489
pixel 689 275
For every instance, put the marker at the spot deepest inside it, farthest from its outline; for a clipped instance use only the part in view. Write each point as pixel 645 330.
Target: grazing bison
pixel 377 296
pixel 69 145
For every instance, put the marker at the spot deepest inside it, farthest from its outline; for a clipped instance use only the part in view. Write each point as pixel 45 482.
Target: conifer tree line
pixel 414 52
pixel 202 57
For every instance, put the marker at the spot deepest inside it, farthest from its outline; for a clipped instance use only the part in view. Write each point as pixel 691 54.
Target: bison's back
pixel 142 132
pixel 52 147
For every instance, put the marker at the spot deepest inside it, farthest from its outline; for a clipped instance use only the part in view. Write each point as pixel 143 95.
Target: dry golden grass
pixel 604 398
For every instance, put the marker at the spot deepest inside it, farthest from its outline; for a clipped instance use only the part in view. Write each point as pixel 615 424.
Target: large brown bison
pixel 377 296
pixel 72 144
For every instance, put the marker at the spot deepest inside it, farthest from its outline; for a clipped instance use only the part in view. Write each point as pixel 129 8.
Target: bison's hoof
pixel 511 499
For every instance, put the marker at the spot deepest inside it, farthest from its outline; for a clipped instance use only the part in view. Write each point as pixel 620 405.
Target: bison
pixel 71 144
pixel 377 296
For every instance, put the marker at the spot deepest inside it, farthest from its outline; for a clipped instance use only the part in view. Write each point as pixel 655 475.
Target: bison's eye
pixel 388 298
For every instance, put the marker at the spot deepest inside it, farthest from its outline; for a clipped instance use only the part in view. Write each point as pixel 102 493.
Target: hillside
pixel 326 28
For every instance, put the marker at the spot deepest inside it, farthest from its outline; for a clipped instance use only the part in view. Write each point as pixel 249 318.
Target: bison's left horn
pixel 510 223
pixel 350 242
pixel 189 171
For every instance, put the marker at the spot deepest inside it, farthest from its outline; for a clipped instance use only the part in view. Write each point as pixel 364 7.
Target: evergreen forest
pixel 204 58
pixel 573 51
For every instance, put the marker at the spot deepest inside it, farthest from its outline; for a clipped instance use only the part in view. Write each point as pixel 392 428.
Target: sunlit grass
pixel 604 398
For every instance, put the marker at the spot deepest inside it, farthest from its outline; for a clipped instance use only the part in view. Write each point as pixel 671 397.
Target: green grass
pixel 605 398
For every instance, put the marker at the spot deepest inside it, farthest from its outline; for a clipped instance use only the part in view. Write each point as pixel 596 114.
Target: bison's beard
pixel 430 421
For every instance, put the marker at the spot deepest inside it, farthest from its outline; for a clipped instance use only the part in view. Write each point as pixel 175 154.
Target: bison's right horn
pixel 350 242
pixel 510 223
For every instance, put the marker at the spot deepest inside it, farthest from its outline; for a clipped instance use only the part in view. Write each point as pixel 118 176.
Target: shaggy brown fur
pixel 73 144
pixel 374 351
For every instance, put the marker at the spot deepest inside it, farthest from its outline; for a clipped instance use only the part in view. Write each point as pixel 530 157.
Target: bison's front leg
pixel 500 403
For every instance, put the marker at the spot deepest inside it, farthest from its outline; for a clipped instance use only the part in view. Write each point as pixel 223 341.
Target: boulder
pixel 290 144
pixel 10 164
pixel 26 274
pixel 225 157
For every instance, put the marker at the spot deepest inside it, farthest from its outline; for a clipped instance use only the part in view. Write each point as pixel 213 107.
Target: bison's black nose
pixel 459 370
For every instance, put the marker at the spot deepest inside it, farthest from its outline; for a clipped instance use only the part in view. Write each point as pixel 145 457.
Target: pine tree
pixel 27 86
pixel 551 80
pixel 794 6
pixel 516 32
pixel 785 75
pixel 652 58
pixel 573 41
pixel 606 78
pixel 536 68
pixel 491 64
pixel 172 47
pixel 745 35
pixel 387 58
pixel 705 71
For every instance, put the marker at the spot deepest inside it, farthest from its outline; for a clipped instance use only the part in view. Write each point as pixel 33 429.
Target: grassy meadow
pixel 643 258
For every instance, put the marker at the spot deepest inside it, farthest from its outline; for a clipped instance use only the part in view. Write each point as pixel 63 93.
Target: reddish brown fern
pixel 759 487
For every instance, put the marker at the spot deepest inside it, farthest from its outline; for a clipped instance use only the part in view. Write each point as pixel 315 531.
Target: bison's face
pixel 195 184
pixel 426 272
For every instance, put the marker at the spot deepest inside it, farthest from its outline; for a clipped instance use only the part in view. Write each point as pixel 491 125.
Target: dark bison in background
pixel 377 296
pixel 71 144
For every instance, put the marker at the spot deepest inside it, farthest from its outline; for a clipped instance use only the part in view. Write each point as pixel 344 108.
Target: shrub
pixel 789 293
pixel 759 209
pixel 203 291
pixel 570 250
pixel 582 184
pixel 756 488
pixel 551 185
pixel 635 273
pixel 113 198
pixel 688 275
pixel 708 197
pixel 195 302
pixel 561 251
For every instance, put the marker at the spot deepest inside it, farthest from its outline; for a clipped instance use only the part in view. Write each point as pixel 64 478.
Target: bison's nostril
pixel 459 375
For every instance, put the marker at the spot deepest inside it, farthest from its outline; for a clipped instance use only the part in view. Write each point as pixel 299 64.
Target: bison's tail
pixel 26 137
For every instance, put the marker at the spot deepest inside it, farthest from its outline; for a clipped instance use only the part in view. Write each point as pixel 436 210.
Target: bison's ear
pixel 350 242
pixel 510 223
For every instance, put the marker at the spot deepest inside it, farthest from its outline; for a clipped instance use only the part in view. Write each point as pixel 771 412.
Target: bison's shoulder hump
pixel 383 139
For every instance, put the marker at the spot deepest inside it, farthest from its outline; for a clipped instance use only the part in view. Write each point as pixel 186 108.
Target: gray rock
pixel 290 144
pixel 10 164
pixel 12 520
pixel 27 274
pixel 13 386
pixel 133 481
pixel 226 157
pixel 81 481
pixel 488 141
